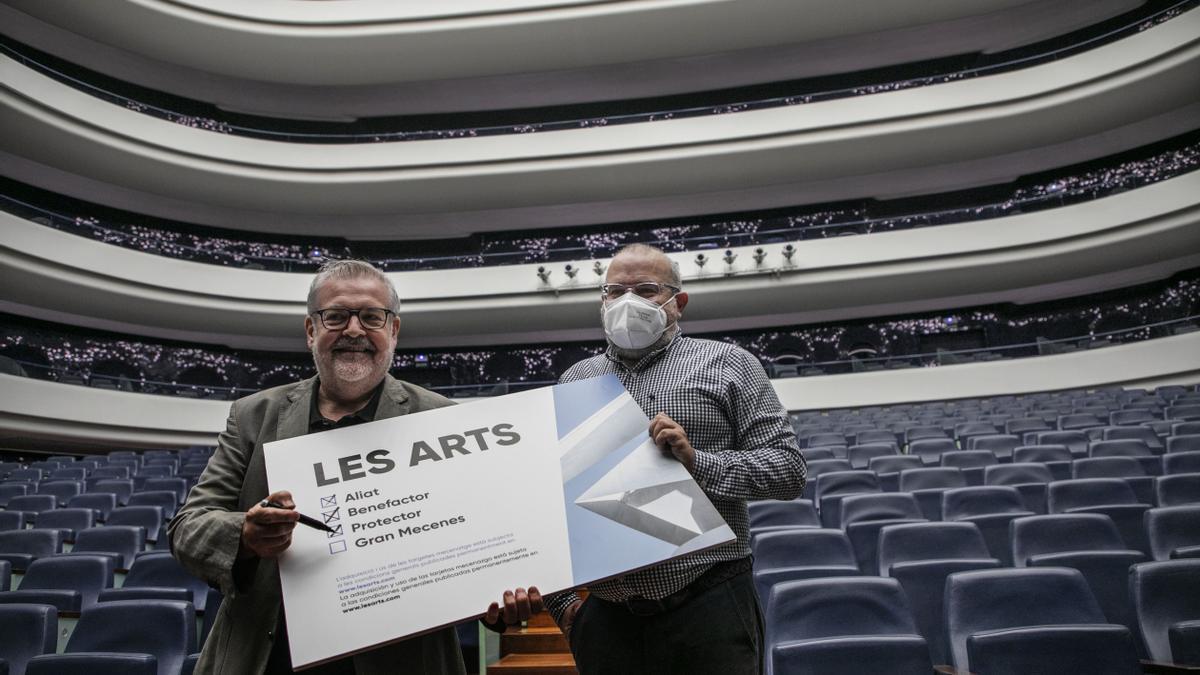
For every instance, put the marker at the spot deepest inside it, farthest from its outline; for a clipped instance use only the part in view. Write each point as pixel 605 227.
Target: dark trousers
pixel 719 631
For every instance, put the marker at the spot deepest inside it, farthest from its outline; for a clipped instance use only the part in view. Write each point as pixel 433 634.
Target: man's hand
pixel 518 606
pixel 568 618
pixel 266 531
pixel 671 437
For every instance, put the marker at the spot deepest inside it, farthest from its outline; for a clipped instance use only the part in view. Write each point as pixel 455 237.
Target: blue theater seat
pixel 965 430
pixel 930 450
pixel 1000 445
pixel 1181 462
pixel 822 466
pixel 122 542
pixel 1164 594
pixel 70 582
pixel 163 629
pixel 811 454
pixel 835 486
pixel 923 432
pixel 1178 489
pixel 1183 443
pixel 805 553
pixel 1107 649
pixel 1112 497
pixel 1174 531
pixel 843 625
pixel 32 505
pixel 971 462
pixel 888 469
pixel 1135 432
pixel 1029 478
pixel 12 520
pixel 1023 425
pixel 860 455
pixel 869 436
pixel 62 490
pixel 798 513
pixel 167 500
pixel 981 604
pixel 101 502
pixel 863 516
pixel 93 664
pixel 1127 468
pixel 991 508
pixel 1057 458
pixel 159 569
pixel 1184 637
pixel 67 521
pixel 10 490
pixel 76 473
pixel 149 518
pixel 1075 441
pixel 26 631
pixel 22 547
pixel 928 484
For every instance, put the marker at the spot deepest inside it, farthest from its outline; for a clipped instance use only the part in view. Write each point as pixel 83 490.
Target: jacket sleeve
pixel 207 531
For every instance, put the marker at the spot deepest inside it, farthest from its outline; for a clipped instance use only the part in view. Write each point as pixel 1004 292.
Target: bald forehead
pixel 634 266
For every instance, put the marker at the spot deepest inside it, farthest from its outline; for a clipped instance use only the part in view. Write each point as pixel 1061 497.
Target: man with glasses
pixel 713 409
pixel 225 535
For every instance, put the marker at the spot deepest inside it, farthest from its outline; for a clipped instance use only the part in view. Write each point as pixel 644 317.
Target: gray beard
pixel 632 356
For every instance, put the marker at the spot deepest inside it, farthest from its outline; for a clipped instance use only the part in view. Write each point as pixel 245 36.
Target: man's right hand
pixel 267 531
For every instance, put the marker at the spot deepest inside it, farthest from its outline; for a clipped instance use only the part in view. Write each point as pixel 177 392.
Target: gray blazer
pixel 205 534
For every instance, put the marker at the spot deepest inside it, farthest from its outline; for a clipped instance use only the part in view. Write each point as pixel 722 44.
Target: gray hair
pixel 673 278
pixel 350 269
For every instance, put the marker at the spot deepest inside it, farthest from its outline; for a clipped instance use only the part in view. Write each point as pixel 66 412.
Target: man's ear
pixel 395 327
pixel 681 301
pixel 310 329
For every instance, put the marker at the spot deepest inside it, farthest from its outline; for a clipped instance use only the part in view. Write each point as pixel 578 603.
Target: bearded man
pixel 224 533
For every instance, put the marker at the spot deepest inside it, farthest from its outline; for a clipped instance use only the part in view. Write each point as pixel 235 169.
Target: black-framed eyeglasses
pixel 647 289
pixel 337 318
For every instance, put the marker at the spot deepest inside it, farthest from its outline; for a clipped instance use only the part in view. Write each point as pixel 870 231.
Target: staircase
pixel 537 649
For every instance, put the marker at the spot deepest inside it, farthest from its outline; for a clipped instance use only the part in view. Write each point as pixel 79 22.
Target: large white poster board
pixel 435 514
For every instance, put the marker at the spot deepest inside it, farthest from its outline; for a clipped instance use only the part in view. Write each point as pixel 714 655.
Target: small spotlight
pixel 598 268
pixel 729 256
pixel 543 274
pixel 759 256
pixel 571 270
pixel 701 259
pixel 788 252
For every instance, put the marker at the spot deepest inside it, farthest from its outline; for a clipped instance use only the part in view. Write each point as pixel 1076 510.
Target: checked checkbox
pixel 329 502
pixel 332 516
pixel 337 531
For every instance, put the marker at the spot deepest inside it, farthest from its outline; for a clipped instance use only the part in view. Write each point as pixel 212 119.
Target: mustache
pixel 355 344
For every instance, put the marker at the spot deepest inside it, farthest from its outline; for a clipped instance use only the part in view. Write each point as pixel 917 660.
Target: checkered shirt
pixel 745 446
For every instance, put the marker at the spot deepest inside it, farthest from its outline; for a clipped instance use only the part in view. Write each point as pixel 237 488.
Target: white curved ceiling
pixel 282 57
pixel 936 138
pixel 1133 237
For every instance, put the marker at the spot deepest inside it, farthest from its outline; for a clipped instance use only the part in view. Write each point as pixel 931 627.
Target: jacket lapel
pixel 293 414
pixel 394 402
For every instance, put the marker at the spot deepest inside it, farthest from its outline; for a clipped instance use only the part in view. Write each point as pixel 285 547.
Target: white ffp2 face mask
pixel 633 322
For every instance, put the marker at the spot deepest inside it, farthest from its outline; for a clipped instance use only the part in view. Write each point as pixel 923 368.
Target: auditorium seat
pixel 1164 594
pixel 68 582
pixel 843 625
pixel 970 462
pixel 1112 497
pixel 928 484
pixel 95 664
pixel 155 471
pixel 1174 531
pixel 5 575
pixel 68 473
pixel 860 455
pixel 833 487
pixel 22 547
pixel 10 490
pixel 810 454
pixel 1088 542
pixel 1129 447
pixel 966 430
pixel 930 450
pixel 1057 458
pixel 121 487
pixel 888 469
pixel 12 520
pixel 101 502
pixel 818 467
pixel 1184 429
pixel 123 542
pixel 150 518
pixel 31 505
pixel 1000 445
pixel 1130 416
pixel 34 475
pixel 110 472
pixel 863 516
pixel 874 436
pixel 26 631
pixel 992 508
pixel 803 553
pixel 167 500
pixel 1029 478
pixel 67 521
pixel 161 570
pixel 923 432
pixel 825 439
pixel 1178 489
pixel 769 514
pixel 1078 421
pixel 1181 462
pixel 1186 413
pixel 1187 443
pixel 163 629
pixel 1075 441
pixel 1023 425
pixel 984 607
pixel 1128 469
pixel 1135 433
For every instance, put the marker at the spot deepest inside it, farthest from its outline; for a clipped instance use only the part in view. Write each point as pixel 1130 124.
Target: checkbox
pixel 332 516
pixel 329 502
pixel 337 531
pixel 337 546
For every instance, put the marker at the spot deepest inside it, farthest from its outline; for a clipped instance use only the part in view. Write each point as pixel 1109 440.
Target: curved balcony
pixel 280 57
pixel 949 136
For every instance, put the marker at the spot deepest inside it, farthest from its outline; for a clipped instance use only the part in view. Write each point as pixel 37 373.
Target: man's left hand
pixel 671 437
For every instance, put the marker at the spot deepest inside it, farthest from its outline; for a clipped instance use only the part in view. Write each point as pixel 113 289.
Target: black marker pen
pixel 304 520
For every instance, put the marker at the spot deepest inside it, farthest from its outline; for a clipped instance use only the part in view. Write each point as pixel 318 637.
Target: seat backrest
pixel 1130 416
pixel 102 502
pixel 34 503
pixel 1062 533
pixel 1042 453
pixel 1181 462
pixel 26 474
pixel 1126 447
pixel 1183 412
pixel 165 571
pixel 989 600
pixel 874 436
pixel 824 438
pixel 33 542
pixel 799 513
pixel 846 482
pixel 981 501
pixel 1017 473
pixel 69 473
pixel 88 574
pixel 26 631
pixel 149 517
pixel 881 506
pixel 1107 467
pixel 965 429
pixel 11 520
pixel 166 499
pixel 1136 432
pixel 1062 495
pixel 165 629
pixel 894 463
pixel 123 540
pixel 1000 444
pixel 926 431
pixel 1164 593
pixel 1172 527
pixel 929 541
pixel 1079 421
pixel 72 519
pixel 837 606
pixel 10 490
pixel 1177 490
pixel 931 478
pixel 931 448
pixel 810 454
pixel 1022 425
pixel 809 547
pixel 860 456
pixel 822 466
pixel 118 472
pixel 1184 443
pixel 1076 441
pixel 969 459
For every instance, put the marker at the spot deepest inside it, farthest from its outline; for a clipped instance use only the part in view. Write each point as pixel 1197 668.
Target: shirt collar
pixel 317 422
pixel 648 359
